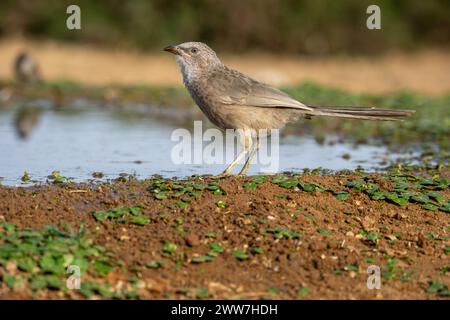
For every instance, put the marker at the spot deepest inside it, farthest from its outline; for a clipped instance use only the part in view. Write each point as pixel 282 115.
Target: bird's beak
pixel 172 49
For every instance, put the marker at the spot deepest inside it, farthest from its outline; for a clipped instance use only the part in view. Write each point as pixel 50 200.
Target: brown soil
pixel 423 71
pixel 318 260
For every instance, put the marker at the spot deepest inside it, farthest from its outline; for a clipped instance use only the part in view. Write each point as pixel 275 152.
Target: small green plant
pixel 324 232
pixel 122 215
pixel 438 287
pixel 43 256
pixel 221 204
pixel 280 233
pixel 240 254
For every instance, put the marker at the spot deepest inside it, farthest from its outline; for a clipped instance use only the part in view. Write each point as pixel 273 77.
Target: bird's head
pixel 194 58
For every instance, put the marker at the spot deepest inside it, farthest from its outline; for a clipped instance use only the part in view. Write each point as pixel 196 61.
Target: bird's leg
pixel 246 141
pixel 250 156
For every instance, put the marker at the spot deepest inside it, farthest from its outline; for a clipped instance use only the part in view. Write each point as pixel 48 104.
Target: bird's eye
pixel 194 50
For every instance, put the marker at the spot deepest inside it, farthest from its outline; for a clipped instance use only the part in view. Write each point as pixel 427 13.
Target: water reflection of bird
pixel 26 69
pixel 26 120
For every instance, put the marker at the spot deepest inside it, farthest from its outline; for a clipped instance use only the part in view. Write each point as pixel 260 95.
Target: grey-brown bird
pixel 232 100
pixel 26 69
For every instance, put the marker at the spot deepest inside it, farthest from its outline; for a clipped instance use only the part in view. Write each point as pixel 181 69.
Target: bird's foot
pixel 243 172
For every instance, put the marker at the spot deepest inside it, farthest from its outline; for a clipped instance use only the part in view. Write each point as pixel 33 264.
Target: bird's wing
pixel 232 87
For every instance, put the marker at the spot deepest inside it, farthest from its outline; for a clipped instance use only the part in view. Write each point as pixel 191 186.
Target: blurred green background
pixel 309 27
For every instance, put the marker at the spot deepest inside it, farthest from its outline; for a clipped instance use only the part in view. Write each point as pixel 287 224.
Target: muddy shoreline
pixel 305 236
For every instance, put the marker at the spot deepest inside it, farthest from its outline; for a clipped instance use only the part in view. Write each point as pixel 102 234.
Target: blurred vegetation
pixel 430 125
pixel 302 26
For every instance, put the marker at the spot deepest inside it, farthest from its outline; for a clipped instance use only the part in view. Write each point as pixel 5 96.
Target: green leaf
pixel 308 187
pixel 342 195
pixel 324 232
pixel 161 195
pixel 101 215
pixel 431 207
pixel 279 179
pixel 289 184
pixel 370 236
pixel 356 184
pixel 53 282
pixel 203 258
pixel 202 293
pixel 436 196
pixel 134 210
pixel 377 195
pixel 216 247
pixel 351 267
pixel 240 254
pixel 140 220
pixel 50 264
pixel 154 264
pixel 213 186
pixel 221 204
pixel 219 192
pixel 445 207
pixel 199 186
pixel 396 199
pixel 38 282
pixel 369 260
pixel 26 264
pixel 259 179
pixel 9 280
pixel 371 189
pixel 303 292
pixel 256 250
pixel 283 233
pixel 169 247
pixel 182 204
pixel 420 198
pixel 435 286
pixel 102 267
pixel 26 177
pixel 250 185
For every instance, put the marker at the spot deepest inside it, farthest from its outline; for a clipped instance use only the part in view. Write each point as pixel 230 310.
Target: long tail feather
pixel 360 113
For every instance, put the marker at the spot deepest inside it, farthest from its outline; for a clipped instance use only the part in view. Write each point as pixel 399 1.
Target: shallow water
pixel 80 142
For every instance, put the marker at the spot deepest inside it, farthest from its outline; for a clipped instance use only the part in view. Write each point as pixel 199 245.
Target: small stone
pixel 192 240
pixel 11 267
pixel 391 237
pixel 292 204
pixel 421 241
pixel 368 222
pixel 98 175
pixel 400 216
